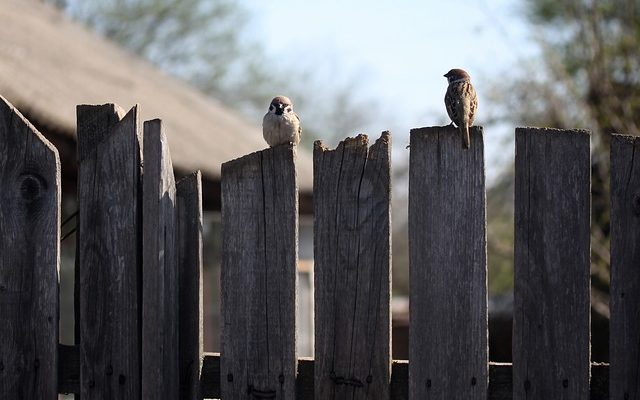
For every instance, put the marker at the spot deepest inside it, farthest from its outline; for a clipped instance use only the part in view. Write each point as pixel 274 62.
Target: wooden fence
pixel 139 262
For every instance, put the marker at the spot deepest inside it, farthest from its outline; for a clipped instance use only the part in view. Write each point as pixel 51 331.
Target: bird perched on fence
pixel 281 124
pixel 461 102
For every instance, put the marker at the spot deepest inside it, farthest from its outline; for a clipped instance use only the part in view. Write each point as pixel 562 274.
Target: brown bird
pixel 461 102
pixel 281 124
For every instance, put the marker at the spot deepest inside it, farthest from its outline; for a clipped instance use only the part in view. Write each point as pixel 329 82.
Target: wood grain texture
pixel 500 374
pixel 448 266
pixel 352 269
pixel 29 259
pixel 189 249
pixel 258 276
pixel 551 315
pixel 625 268
pixel 160 370
pixel 109 221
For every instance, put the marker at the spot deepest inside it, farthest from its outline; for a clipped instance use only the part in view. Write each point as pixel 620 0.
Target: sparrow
pixel 281 124
pixel 461 102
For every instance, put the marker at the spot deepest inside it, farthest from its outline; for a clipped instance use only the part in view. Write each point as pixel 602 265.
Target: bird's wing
pixel 473 106
pixel 299 124
pixel 450 104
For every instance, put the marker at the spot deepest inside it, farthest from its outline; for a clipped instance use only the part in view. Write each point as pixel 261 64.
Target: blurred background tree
pixel 207 43
pixel 588 77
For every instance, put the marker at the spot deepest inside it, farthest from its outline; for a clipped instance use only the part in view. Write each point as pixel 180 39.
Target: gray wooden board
pixel 625 268
pixel 189 249
pixel 258 276
pixel 29 259
pixel 352 269
pixel 109 152
pixel 160 371
pixel 551 317
pixel 447 266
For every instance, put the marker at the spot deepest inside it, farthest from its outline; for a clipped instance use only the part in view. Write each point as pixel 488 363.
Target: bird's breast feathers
pixel 279 129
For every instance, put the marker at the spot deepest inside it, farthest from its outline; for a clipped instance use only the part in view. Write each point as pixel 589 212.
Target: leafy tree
pixel 205 43
pixel 588 77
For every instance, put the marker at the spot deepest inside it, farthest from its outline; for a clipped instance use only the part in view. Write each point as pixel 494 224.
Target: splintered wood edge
pixel 88 145
pixel 189 179
pixel 237 159
pixel 357 141
pixel 623 137
pixel 552 131
pixel 384 139
pixel 13 110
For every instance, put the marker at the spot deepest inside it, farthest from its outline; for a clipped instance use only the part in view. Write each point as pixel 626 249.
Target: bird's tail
pixel 466 140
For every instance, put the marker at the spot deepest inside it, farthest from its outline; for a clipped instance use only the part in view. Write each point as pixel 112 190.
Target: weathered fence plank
pixel 189 249
pixel 352 269
pixel 259 256
pixel 552 260
pixel 29 259
pixel 448 266
pixel 625 268
pixel 109 199
pixel 160 371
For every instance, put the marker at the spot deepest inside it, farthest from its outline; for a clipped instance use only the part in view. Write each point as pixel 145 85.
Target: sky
pixel 396 52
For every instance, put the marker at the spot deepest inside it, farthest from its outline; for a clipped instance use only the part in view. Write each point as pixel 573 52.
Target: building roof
pixel 49 64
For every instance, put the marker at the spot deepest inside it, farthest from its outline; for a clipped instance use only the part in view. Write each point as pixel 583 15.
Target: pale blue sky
pixel 398 51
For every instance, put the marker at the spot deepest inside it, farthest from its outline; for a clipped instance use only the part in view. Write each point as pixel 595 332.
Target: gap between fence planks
pixel 447 266
pixel 29 259
pixel 625 268
pixel 258 274
pixel 352 269
pixel 551 316
pixel 189 258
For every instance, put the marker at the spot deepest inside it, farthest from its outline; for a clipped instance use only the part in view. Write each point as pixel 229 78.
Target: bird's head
pixel 456 75
pixel 280 105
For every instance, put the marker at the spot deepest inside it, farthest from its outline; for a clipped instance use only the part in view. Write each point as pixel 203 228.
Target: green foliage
pixel 500 219
pixel 589 77
pixel 192 39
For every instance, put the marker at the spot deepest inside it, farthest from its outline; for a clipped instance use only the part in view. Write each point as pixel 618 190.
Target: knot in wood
pixel 31 187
